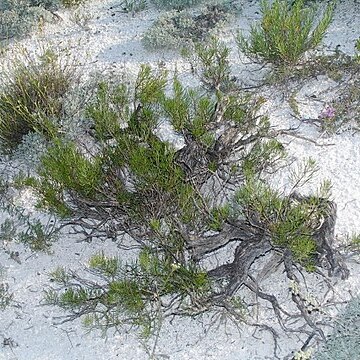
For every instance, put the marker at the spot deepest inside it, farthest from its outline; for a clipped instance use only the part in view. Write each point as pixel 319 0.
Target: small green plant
pixel 210 63
pixel 16 18
pixel 285 32
pixel 71 3
pixel 31 232
pixel 31 99
pixel 5 296
pixel 354 241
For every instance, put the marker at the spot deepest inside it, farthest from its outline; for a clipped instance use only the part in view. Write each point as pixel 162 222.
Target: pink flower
pixel 327 113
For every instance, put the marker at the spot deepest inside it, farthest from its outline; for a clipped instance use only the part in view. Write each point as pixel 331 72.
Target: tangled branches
pixel 179 206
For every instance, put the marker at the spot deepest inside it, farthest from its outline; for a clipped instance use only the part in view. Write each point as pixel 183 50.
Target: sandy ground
pixel 110 43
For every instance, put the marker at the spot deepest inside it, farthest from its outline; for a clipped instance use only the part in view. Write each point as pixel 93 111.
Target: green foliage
pixel 126 293
pixel 218 217
pixel 5 296
pixel 211 63
pixel 65 167
pixel 16 18
pixel 291 221
pixel 189 110
pixel 285 32
pixel 38 237
pixel 32 233
pixel 181 29
pixel 32 99
pixel 59 276
pixel 124 127
pixel 263 156
pixel 109 110
pixel 108 266
pixel 343 343
pixel 354 241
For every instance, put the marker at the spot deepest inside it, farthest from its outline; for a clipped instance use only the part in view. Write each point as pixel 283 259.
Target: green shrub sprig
pixel 285 32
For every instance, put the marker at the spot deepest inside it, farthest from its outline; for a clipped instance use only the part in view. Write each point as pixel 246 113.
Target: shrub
pixel 16 18
pixel 285 32
pixel 71 3
pixel 32 233
pixel 5 296
pixel 32 98
pixel 211 64
pixel 133 6
pixel 176 29
pixel 179 206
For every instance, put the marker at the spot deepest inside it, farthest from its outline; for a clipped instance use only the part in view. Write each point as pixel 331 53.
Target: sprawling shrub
pixel 285 32
pixel 5 295
pixel 31 98
pixel 18 17
pixel 176 206
pixel 180 205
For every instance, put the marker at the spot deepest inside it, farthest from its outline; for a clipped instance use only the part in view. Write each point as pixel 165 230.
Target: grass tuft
pixel 285 32
pixel 31 99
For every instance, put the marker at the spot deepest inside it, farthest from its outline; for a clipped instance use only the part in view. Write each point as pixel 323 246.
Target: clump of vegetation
pixel 210 62
pixel 182 205
pixel 31 98
pixel 176 4
pixel 5 296
pixel 286 31
pixel 343 343
pixel 71 3
pixel 176 29
pixel 32 233
pixel 18 17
